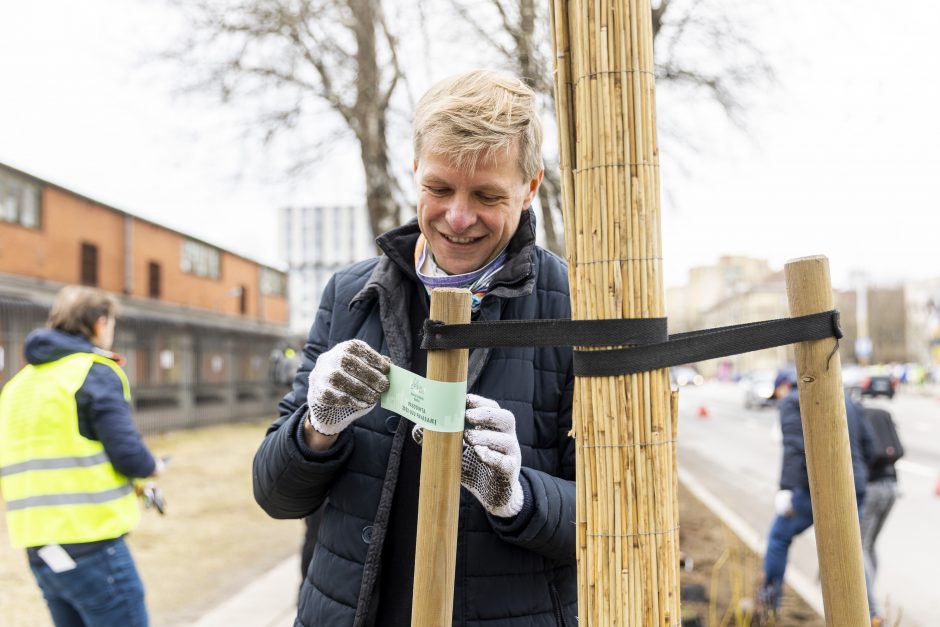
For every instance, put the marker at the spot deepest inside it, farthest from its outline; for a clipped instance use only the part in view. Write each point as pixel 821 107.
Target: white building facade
pixel 317 241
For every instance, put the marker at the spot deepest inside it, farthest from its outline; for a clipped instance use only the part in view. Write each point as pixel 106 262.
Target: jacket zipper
pixel 556 605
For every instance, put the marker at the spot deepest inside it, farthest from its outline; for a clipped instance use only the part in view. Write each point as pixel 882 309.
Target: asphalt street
pixel 734 454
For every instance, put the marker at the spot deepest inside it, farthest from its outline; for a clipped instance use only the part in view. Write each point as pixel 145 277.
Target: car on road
pixel 685 375
pixel 878 384
pixel 873 382
pixel 758 388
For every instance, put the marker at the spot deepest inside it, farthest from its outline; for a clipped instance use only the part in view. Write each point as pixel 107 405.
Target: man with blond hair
pixel 68 451
pixel 477 166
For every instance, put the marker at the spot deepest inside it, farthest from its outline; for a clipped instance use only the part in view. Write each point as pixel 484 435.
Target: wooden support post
pixel 439 496
pixel 828 456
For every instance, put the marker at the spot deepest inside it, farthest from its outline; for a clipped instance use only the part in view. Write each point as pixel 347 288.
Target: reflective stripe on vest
pixel 59 486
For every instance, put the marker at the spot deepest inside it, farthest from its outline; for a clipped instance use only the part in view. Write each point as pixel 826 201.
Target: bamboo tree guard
pixel 432 601
pixel 828 456
pixel 627 508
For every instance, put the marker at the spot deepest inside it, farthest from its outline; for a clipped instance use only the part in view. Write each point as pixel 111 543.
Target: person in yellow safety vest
pixel 69 450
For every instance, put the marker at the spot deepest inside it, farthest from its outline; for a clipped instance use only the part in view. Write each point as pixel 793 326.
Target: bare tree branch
pixel 682 31
pixel 308 51
pixel 478 28
pixel 392 43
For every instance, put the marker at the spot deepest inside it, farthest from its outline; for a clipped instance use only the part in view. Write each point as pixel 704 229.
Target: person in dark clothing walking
pixel 477 147
pixel 882 487
pixel 792 503
pixel 68 452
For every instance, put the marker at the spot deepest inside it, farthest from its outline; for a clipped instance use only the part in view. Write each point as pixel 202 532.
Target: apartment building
pixel 317 241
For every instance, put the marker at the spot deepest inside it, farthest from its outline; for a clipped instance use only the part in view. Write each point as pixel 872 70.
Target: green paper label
pixel 435 405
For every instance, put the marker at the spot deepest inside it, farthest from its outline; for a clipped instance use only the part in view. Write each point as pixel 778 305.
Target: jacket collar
pixel 515 278
pixel 394 278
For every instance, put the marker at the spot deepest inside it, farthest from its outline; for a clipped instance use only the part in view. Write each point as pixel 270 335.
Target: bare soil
pixel 214 539
pixel 726 574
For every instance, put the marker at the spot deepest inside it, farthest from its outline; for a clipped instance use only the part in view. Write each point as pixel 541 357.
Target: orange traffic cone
pixel 702 411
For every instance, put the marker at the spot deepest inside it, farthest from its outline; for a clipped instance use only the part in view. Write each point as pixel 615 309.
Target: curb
pixel 801 584
pixel 269 601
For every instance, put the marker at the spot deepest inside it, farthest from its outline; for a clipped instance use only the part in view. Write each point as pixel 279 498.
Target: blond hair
pixel 77 308
pixel 477 115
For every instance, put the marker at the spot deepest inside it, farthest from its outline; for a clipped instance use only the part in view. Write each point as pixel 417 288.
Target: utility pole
pixel 863 343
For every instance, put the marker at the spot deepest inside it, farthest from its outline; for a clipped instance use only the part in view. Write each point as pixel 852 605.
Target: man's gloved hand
pixel 345 384
pixel 491 457
pixel 783 503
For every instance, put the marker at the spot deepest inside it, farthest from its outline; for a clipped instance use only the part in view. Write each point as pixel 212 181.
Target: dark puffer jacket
pixel 510 572
pixel 793 473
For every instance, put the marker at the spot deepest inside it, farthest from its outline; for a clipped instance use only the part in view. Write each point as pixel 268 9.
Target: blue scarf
pixel 478 281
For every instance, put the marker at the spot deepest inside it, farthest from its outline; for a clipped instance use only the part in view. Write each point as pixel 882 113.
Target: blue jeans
pixel 103 590
pixel 782 532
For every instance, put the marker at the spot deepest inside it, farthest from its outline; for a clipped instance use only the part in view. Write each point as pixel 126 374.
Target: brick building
pixel 199 324
pixel 48 233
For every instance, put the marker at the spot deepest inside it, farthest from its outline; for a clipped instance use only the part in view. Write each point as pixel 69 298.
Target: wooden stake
pixel 828 456
pixel 439 497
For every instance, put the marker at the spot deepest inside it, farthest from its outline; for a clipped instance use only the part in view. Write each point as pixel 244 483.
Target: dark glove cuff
pixel 510 526
pixel 308 453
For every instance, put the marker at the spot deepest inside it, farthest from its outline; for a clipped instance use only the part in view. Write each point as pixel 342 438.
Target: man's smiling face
pixel 469 217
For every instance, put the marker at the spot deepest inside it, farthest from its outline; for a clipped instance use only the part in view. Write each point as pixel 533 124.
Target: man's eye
pixel 436 191
pixel 488 199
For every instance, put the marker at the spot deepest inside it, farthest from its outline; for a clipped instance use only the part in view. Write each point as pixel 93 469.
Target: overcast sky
pixel 843 158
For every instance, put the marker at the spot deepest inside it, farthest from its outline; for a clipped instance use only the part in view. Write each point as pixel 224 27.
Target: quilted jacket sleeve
pixel 547 523
pixel 793 473
pixel 289 479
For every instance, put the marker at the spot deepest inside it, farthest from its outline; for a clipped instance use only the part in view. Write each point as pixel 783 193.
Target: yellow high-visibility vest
pixel 59 486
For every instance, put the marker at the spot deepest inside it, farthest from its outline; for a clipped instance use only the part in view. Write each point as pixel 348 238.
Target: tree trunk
pixel 369 123
pixel 550 201
pixel 531 71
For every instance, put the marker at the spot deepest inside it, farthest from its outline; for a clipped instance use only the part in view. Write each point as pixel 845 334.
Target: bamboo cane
pixel 627 506
pixel 828 457
pixel 439 492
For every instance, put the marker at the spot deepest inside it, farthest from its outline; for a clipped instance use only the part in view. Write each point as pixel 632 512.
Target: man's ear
pixel 414 166
pixel 534 187
pixel 98 327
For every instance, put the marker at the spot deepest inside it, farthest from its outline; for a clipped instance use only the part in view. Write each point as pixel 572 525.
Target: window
pixel 153 279
pixel 200 259
pixel 316 242
pixel 243 300
pixel 19 200
pixel 89 265
pixel 273 283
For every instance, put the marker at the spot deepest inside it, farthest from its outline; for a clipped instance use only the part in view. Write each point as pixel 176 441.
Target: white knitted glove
pixel 491 457
pixel 783 503
pixel 345 384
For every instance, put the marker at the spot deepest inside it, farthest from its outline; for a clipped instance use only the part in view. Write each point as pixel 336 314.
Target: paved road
pixel 735 454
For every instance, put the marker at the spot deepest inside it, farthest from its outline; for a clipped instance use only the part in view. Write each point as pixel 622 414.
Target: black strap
pixel 648 351
pixel 684 348
pixel 561 332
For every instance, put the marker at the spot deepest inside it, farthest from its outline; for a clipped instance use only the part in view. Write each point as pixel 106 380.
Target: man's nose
pixel 460 215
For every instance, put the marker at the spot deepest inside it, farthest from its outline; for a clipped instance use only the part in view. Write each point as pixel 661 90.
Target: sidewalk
pixel 270 601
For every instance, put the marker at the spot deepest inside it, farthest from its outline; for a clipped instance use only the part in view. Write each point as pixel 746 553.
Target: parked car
pixel 685 375
pixel 874 384
pixel 758 388
pixel 868 381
